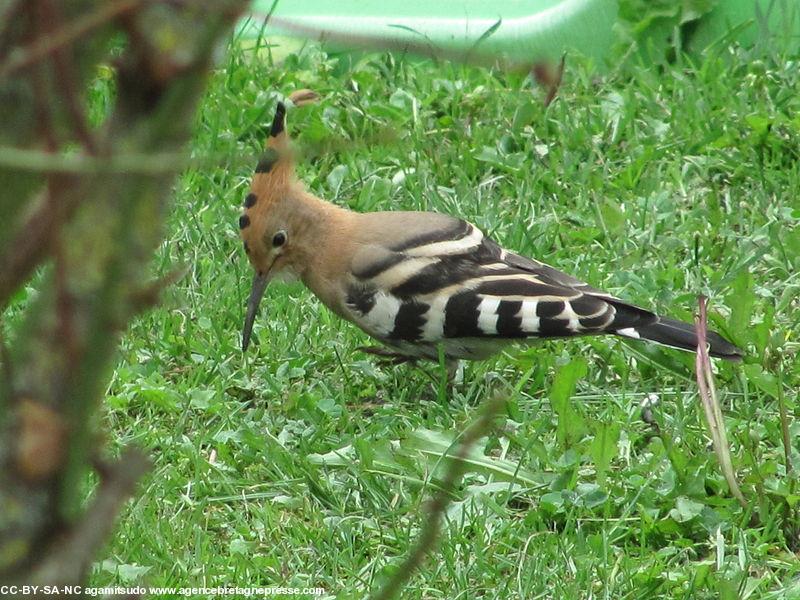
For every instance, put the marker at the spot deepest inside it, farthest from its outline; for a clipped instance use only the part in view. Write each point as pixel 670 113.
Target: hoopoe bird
pixel 418 281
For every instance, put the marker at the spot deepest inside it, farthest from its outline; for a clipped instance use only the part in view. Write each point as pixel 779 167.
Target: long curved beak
pixel 256 293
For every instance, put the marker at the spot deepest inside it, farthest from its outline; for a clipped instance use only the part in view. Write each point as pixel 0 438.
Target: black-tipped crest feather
pixel 279 120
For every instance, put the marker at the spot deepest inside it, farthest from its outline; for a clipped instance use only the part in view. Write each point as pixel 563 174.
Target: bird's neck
pixel 327 230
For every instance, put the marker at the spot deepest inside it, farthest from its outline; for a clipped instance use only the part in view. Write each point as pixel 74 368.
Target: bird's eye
pixel 279 239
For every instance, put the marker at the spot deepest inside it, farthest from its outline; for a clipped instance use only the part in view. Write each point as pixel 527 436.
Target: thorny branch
pixel 48 21
pixel 32 242
pixel 100 227
pixel 67 35
pixel 70 558
pixel 479 428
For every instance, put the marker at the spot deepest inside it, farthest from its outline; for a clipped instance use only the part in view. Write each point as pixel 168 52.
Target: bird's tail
pixel 678 334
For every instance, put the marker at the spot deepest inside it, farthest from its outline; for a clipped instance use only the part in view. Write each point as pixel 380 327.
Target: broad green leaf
pixel 553 501
pixel 127 573
pixel 336 177
pixel 766 382
pixel 340 457
pixel 590 495
pixel 525 113
pixel 685 509
pixel 741 300
pixel 436 444
pixel 571 427
pixel 604 448
pixel 613 216
pixel 240 546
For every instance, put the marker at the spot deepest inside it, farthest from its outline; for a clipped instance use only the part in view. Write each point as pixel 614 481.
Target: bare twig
pixel 147 296
pixel 65 309
pixel 155 163
pixel 101 226
pixel 45 19
pixel 42 108
pixel 5 369
pixel 430 531
pixel 67 35
pixel 31 242
pixel 9 16
pixel 64 68
pixel 708 396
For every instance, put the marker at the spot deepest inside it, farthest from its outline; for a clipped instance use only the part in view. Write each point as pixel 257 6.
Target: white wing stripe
pixel 568 313
pixel 380 320
pixel 530 322
pixel 487 315
pixel 628 332
pixel 460 246
pixel 401 272
pixel 433 330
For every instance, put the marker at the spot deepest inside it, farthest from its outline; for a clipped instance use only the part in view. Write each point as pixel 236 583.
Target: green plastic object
pixel 521 30
pixel 768 24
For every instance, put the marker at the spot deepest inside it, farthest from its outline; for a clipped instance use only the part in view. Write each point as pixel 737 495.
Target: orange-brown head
pixel 272 214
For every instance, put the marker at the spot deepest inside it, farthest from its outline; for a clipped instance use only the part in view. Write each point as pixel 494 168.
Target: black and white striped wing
pixel 455 283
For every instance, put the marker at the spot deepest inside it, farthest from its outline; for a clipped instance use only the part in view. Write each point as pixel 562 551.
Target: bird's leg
pixel 454 368
pixel 388 356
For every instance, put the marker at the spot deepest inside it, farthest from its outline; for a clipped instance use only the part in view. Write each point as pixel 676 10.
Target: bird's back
pixel 424 278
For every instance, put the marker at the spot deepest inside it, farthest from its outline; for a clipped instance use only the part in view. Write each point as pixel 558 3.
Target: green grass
pixel 305 463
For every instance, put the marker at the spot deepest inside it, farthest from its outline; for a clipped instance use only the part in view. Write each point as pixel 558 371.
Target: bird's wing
pixel 453 282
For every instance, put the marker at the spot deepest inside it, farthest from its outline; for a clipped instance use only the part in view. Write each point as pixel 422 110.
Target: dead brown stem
pixel 708 397
pixel 544 75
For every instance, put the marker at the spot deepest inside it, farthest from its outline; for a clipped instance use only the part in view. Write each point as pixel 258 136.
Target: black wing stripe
pixel 547 273
pixel 375 269
pixel 549 309
pixel 520 286
pixel 627 315
pixel 449 268
pixel 461 316
pixel 457 231
pixel 555 328
pixel 409 321
pixel 588 306
pixel 446 273
pixel 509 323
pixel 360 298
pixel 599 322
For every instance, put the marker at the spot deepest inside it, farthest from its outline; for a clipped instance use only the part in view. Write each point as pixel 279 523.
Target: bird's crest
pixel 274 174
